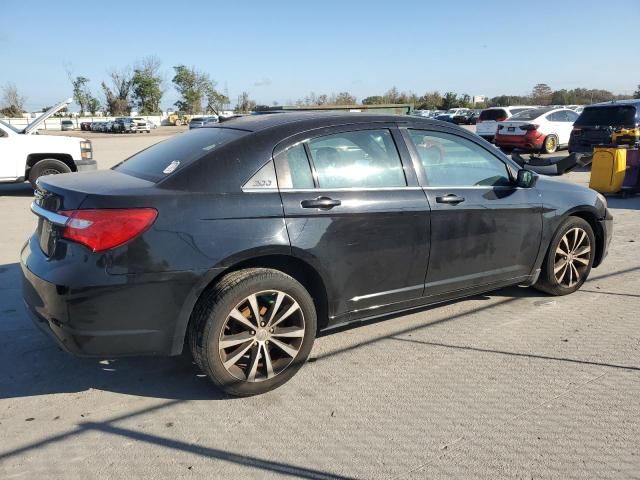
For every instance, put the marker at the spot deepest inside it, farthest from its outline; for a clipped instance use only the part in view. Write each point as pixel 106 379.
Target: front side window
pixel 358 159
pixel 453 161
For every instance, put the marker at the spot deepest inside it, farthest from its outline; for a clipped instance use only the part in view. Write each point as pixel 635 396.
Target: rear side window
pixel 165 158
pixel 617 116
pixel 359 159
pixel 496 115
pixel 293 168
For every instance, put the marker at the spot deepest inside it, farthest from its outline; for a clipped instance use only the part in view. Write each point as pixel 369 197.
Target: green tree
pixel 194 87
pixel 429 101
pixel 81 93
pixel 146 85
pixel 541 94
pixel 636 94
pixel 373 100
pixel 94 105
pixel 450 100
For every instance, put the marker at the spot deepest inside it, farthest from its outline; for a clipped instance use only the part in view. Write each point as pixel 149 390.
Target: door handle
pixel 324 203
pixel 450 198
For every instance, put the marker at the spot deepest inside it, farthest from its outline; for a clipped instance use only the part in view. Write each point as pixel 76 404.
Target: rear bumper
pixel 525 142
pixel 86 165
pixel 90 312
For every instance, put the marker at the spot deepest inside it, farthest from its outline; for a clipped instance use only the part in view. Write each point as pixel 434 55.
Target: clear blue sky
pixel 282 50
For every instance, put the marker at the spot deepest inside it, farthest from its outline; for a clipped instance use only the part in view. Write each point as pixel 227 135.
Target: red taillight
pixel 576 131
pixel 102 230
pixel 529 127
pixel 501 119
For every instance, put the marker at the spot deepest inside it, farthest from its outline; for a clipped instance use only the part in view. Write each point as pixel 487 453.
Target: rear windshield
pixel 497 114
pixel 530 114
pixel 164 158
pixel 610 116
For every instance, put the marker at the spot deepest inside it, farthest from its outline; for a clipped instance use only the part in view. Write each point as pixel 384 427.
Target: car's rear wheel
pixel 569 258
pixel 49 166
pixel 550 144
pixel 253 330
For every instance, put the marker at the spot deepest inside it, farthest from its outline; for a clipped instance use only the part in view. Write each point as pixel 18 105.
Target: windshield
pixel 611 116
pixel 164 158
pixel 10 127
pixel 531 114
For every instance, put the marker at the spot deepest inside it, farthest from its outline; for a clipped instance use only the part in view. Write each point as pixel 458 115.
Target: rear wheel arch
pixel 296 268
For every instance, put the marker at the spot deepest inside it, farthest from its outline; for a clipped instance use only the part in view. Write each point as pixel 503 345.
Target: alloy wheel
pixel 550 144
pixel 572 257
pixel 261 336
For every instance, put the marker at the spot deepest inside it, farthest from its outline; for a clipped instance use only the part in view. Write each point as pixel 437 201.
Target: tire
pixel 563 282
pixel 48 166
pixel 245 369
pixel 550 144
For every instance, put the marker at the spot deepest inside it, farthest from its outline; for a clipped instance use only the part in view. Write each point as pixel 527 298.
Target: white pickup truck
pixel 25 155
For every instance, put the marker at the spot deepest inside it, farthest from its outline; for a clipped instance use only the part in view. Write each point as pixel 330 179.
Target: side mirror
pixel 526 178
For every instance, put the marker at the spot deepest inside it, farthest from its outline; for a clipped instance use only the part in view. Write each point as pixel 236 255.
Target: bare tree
pixel 117 96
pixel 12 102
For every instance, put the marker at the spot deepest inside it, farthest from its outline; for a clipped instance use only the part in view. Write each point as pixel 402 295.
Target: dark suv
pixel 597 122
pixel 247 237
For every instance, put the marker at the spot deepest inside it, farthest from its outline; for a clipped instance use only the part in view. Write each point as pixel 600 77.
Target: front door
pixel 484 230
pixel 8 155
pixel 351 213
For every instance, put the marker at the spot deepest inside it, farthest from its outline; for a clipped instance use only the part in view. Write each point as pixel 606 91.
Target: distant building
pixel 479 99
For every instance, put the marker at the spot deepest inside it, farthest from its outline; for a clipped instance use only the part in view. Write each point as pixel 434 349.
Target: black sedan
pixel 247 238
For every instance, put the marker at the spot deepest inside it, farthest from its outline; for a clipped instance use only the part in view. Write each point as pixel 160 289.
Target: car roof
pixel 311 120
pixel 634 102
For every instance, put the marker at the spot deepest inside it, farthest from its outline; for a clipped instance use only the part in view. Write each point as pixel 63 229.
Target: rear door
pixel 354 210
pixel 484 230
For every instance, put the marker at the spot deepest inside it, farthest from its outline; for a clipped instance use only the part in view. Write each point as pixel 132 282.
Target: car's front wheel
pixel 569 258
pixel 253 330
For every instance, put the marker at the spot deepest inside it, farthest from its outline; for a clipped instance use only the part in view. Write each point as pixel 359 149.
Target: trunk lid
pixel 73 191
pixel 512 128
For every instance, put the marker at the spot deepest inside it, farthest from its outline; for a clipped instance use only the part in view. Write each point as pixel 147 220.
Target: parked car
pixel 466 118
pixel 26 156
pixel 537 129
pixel 198 122
pixel 123 125
pixel 452 112
pixel 487 122
pixel 422 113
pixel 597 122
pixel 86 126
pixel 141 125
pixel 445 117
pixel 66 125
pixel 249 237
pixel 152 125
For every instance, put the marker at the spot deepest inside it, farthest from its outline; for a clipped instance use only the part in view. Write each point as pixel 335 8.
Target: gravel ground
pixel 512 384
